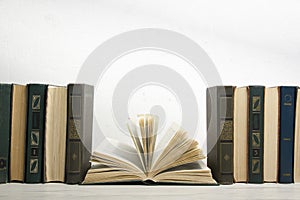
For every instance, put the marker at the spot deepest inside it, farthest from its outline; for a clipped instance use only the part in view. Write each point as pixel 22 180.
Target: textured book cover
pixel 297 139
pixel 18 133
pixel 80 124
pixel 35 133
pixel 286 143
pixel 5 119
pixel 220 132
pixel 256 134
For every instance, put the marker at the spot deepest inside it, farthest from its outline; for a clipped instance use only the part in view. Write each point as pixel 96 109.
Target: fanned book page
pixel 176 158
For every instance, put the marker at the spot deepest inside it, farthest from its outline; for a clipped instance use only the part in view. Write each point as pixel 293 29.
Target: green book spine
pixel 220 132
pixel 256 134
pixel 79 129
pixel 35 133
pixel 5 126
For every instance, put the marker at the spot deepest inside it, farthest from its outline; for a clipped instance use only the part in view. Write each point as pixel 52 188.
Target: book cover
pixel 18 133
pixel 286 142
pixel 79 127
pixel 220 132
pixel 256 134
pixel 35 133
pixel 5 128
pixel 55 134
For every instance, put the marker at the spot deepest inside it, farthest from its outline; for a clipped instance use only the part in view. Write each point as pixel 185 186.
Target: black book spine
pixel 5 127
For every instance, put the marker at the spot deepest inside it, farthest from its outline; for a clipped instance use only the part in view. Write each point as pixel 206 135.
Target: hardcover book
pixel 5 119
pixel 256 134
pixel 79 131
pixel 55 134
pixel 271 134
pixel 220 132
pixel 287 123
pixel 18 133
pixel 240 134
pixel 174 159
pixel 35 133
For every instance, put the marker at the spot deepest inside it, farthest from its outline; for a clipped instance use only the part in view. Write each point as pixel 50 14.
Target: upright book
pixel 271 134
pixel 286 143
pixel 35 133
pixel 18 133
pixel 55 134
pixel 240 134
pixel 5 119
pixel 256 134
pixel 79 131
pixel 220 132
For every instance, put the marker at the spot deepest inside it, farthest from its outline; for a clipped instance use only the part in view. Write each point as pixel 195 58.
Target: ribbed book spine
pixel 35 133
pixel 5 127
pixel 286 143
pixel 256 134
pixel 79 128
pixel 220 132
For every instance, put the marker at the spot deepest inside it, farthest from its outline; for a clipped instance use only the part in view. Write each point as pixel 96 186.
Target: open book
pixel 174 159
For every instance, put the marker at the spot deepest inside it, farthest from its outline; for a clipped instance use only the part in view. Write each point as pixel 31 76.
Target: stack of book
pixel 45 132
pixel 254 134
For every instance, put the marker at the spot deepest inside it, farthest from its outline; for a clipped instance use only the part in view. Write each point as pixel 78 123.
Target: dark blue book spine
pixel 287 124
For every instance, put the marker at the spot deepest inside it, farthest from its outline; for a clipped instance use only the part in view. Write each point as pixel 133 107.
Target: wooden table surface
pixel 55 191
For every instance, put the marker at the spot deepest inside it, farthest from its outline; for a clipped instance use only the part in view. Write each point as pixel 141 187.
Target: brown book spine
pixel 220 132
pixel 79 129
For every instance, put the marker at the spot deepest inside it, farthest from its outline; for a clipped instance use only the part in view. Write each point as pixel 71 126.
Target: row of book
pixel 45 132
pixel 254 134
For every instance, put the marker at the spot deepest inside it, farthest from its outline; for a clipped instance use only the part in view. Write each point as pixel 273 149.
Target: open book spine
pixel 220 132
pixel 79 127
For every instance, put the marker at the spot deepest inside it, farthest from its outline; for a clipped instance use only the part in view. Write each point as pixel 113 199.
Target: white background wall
pixel 250 42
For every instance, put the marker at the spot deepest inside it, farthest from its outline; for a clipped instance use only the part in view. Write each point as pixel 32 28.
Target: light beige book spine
pixel 297 139
pixel 271 134
pixel 18 133
pixel 240 135
pixel 55 134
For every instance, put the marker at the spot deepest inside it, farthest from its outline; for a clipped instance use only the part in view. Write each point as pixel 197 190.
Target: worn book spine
pixel 220 132
pixel 35 133
pixel 18 133
pixel 256 134
pixel 286 143
pixel 79 131
pixel 5 127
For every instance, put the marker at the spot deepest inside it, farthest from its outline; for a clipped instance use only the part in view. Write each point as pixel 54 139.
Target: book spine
pixel 18 133
pixel 35 133
pixel 79 119
pixel 5 127
pixel 220 158
pixel 286 143
pixel 256 134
